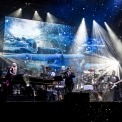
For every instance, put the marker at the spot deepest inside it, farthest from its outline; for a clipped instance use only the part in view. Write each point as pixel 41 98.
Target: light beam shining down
pixel 108 53
pixel 99 33
pixel 82 35
pixel 80 38
pixel 115 40
pixel 51 18
pixel 17 13
pixel 36 16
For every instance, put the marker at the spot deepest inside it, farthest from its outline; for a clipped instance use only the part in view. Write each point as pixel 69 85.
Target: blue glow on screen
pixel 34 43
pixel 28 36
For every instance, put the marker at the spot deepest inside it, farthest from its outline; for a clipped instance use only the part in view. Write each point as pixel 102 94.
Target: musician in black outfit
pixel 68 76
pixel 113 79
pixel 12 71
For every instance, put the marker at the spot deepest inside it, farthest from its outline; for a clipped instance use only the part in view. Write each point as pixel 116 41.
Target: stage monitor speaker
pixel 76 97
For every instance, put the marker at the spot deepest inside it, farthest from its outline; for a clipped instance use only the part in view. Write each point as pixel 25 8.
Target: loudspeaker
pixel 77 97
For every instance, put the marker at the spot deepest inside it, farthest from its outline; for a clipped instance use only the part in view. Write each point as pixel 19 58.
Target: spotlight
pixel 36 16
pixel 80 38
pixel 17 13
pixel 51 18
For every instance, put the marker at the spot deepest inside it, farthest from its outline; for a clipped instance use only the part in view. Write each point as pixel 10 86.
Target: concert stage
pixel 42 46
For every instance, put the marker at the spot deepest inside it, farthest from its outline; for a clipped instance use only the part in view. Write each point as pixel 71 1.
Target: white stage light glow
pixel 17 13
pixel 115 40
pixel 52 19
pixel 36 16
pixel 80 38
pixel 110 63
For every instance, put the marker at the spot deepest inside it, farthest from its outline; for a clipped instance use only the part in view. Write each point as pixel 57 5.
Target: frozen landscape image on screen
pixel 32 44
pixel 35 43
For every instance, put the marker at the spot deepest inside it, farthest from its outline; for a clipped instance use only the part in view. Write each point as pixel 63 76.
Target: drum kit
pixel 94 83
pixel 90 80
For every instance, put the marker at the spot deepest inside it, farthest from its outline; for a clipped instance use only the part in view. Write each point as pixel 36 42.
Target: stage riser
pixel 18 98
pixel 77 97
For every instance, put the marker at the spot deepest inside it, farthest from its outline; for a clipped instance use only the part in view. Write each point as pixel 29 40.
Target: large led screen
pixel 34 43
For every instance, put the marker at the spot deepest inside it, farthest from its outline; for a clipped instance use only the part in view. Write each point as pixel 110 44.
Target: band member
pixel 62 73
pixel 113 79
pixel 43 72
pixel 51 92
pixel 69 84
pixel 12 71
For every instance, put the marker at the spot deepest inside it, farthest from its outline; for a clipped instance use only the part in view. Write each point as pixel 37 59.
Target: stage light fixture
pixel 51 18
pixel 17 13
pixel 36 16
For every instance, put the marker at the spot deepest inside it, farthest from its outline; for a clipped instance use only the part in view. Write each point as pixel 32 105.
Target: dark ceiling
pixel 71 12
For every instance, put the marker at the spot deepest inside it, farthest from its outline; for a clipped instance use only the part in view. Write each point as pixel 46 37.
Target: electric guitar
pixel 115 84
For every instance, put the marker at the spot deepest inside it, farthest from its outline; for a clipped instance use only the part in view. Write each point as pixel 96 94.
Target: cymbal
pixel 102 70
pixel 86 72
pixel 91 70
pixel 97 73
pixel 48 68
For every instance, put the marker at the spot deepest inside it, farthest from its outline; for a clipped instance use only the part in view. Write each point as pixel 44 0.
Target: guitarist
pixel 113 79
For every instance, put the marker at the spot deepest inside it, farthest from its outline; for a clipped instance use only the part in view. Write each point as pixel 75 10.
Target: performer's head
pixel 63 67
pixel 69 68
pixel 113 72
pixel 53 74
pixel 14 65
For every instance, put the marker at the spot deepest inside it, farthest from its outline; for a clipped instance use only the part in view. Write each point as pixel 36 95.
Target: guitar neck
pixel 118 82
